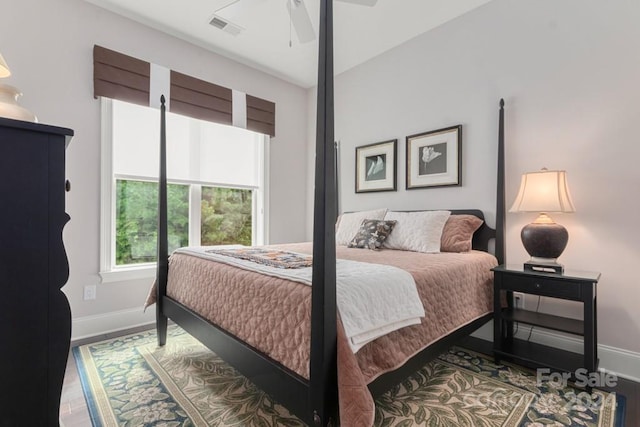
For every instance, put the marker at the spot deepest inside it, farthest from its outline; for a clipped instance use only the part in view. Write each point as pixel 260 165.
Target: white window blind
pixel 197 151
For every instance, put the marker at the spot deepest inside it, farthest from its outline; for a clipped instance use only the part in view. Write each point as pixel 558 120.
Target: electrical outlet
pixel 89 292
pixel 518 300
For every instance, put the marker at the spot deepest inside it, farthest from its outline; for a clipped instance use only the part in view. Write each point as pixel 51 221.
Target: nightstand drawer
pixel 541 286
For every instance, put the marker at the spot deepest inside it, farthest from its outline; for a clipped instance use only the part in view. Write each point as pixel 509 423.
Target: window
pixel 136 220
pixel 216 192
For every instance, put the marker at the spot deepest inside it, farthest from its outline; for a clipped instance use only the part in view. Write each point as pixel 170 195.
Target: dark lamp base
pixel 544 240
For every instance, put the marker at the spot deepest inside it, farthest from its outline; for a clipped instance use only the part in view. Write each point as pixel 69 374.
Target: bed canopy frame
pixel 315 401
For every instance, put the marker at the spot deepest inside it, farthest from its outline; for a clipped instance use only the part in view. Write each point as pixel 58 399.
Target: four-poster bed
pixel 313 399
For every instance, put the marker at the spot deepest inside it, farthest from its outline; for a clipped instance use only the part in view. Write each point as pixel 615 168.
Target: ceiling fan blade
pixel 301 21
pixel 361 2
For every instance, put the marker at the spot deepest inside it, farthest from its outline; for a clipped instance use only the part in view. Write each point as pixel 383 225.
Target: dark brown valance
pixel 122 77
pixel 261 115
pixel 119 76
pixel 199 99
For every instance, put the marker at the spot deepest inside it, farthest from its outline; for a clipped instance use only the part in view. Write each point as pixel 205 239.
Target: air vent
pixel 218 23
pixel 226 26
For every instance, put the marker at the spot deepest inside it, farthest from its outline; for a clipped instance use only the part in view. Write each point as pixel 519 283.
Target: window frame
pixel 109 271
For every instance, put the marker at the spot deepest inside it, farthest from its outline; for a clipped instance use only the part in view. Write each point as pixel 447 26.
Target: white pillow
pixel 416 231
pixel 349 224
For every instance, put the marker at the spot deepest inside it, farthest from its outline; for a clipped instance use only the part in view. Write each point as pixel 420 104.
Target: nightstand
pixel 572 285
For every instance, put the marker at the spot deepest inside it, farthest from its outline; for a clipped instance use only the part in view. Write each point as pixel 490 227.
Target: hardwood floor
pixel 73 408
pixel 74 412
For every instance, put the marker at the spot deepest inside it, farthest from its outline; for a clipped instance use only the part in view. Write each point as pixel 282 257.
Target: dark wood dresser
pixel 35 319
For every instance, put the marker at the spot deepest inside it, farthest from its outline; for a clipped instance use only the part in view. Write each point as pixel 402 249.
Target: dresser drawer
pixel 541 286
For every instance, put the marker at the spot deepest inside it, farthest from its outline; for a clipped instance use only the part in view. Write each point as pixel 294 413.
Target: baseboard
pixel 100 324
pixel 623 363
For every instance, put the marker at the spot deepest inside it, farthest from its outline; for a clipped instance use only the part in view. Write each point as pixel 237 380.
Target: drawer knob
pixel 537 285
pixel 67 186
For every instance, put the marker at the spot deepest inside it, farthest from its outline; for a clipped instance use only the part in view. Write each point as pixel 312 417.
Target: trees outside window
pixel 225 218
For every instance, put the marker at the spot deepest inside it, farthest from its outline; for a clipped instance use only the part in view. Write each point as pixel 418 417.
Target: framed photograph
pixel 434 159
pixel 376 167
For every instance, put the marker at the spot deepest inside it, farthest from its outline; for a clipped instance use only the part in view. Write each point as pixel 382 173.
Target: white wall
pixel 569 72
pixel 48 45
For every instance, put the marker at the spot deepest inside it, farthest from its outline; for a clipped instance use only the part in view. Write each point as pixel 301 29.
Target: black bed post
pixel 163 246
pixel 500 193
pixel 322 370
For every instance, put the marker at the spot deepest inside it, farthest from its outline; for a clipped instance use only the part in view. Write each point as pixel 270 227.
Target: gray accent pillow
pixel 372 234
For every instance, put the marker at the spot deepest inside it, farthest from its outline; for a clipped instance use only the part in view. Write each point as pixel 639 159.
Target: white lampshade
pixel 543 191
pixel 4 68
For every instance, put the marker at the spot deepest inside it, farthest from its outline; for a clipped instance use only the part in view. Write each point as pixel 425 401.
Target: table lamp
pixel 9 98
pixel 544 192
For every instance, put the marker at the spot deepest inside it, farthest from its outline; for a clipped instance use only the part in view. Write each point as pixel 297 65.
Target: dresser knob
pixel 67 186
pixel 537 285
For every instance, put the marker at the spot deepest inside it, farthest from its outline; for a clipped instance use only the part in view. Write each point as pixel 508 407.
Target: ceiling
pixel 360 33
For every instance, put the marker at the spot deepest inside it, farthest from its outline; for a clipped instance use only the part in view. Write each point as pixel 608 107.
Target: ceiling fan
pixel 227 18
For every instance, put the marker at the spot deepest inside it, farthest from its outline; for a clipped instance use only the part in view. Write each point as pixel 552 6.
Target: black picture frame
pixel 376 167
pixel 434 158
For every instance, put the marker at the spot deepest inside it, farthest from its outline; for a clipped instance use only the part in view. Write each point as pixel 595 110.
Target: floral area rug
pixel 129 381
